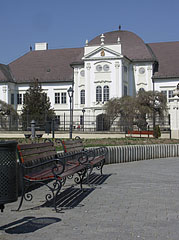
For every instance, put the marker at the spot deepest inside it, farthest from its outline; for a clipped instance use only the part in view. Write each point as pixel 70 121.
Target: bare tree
pixel 136 110
pixel 8 116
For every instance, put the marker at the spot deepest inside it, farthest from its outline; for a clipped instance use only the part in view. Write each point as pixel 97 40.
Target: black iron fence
pixel 85 123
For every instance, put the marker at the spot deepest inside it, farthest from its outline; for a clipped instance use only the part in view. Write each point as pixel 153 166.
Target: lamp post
pixel 70 94
pixel 153 104
pixel 83 111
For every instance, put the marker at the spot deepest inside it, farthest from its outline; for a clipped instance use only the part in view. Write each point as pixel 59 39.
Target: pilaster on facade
pixel 117 80
pixel 5 93
pixel 88 85
pixel 174 113
pixel 76 89
pixel 149 77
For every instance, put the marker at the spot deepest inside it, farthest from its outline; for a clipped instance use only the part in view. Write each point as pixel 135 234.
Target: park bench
pixel 140 133
pixel 96 156
pixel 40 164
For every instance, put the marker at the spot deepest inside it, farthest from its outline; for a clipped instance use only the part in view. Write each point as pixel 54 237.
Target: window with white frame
pixel 170 93
pixel 19 98
pixel 82 96
pixel 98 94
pixel 106 93
pixel 57 98
pixel 63 98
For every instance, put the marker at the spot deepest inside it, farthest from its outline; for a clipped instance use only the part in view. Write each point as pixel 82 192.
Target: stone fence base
pixel 121 154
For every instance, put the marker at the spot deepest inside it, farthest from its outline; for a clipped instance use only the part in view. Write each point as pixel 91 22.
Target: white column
pixel 76 91
pixel 149 78
pixel 87 86
pixel 5 93
pixel 117 84
pixel 174 117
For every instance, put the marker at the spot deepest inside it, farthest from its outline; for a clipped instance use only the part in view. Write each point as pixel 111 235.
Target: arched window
pixel 106 93
pixel 98 94
pixel 82 97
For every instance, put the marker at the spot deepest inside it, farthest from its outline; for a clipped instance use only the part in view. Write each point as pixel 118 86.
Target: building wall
pixel 166 85
pixel 104 65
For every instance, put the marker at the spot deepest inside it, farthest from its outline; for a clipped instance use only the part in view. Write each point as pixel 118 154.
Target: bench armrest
pixel 94 152
pixel 55 165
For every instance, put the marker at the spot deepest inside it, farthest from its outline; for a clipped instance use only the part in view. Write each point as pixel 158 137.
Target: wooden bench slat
pixel 36 145
pixel 34 151
pixel 45 156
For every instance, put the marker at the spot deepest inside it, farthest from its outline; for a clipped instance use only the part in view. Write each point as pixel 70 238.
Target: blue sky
pixel 68 23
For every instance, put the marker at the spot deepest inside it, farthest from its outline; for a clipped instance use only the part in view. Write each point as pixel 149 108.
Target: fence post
pixel 33 128
pixel 64 121
pixel 53 128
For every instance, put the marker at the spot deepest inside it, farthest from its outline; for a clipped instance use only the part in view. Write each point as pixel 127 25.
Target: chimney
pixel 41 46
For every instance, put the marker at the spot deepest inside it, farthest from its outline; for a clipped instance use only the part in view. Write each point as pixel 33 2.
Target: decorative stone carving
pixel 117 65
pixel 118 40
pixel 88 66
pixel 76 70
pixel 4 89
pixel 102 39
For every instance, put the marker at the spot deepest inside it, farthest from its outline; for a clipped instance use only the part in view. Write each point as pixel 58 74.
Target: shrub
pixel 157 132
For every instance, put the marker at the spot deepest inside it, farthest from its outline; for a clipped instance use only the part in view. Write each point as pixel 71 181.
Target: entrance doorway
pixel 102 122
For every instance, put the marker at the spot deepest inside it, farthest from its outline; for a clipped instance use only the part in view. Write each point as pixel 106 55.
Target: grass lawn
pixel 115 141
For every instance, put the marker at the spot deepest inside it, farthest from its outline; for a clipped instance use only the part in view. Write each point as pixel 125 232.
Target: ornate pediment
pixel 102 53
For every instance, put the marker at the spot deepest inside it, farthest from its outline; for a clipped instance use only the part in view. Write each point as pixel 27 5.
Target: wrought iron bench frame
pixel 40 163
pixel 96 156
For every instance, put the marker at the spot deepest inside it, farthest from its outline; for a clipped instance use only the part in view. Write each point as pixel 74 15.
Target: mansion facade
pixel 113 64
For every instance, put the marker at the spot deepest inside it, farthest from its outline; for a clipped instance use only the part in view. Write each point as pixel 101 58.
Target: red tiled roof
pixel 46 65
pixel 133 46
pixel 167 54
pixel 5 73
pixel 54 65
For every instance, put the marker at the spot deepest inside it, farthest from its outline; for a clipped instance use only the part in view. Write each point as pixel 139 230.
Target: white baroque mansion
pixel 113 64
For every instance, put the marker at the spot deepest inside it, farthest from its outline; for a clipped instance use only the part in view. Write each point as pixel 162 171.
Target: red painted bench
pixel 40 163
pixel 141 133
pixel 96 156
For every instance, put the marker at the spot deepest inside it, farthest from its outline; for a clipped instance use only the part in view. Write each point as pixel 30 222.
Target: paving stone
pixel 137 200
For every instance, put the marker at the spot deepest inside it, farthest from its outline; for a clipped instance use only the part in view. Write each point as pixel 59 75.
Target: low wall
pixel 121 154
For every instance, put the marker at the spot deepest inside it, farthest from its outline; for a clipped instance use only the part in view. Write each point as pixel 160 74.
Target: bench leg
pixel 89 171
pixel 27 196
pixel 102 165
pixel 21 201
pixel 80 178
pixel 57 187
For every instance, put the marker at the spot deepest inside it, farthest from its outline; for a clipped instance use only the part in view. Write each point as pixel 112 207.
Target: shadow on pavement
pixel 28 225
pixel 97 179
pixel 72 197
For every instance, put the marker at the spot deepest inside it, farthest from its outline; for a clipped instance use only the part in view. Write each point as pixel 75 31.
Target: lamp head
pixel 70 92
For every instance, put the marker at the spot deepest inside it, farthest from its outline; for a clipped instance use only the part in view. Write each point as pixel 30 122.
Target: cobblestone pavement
pixel 137 200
